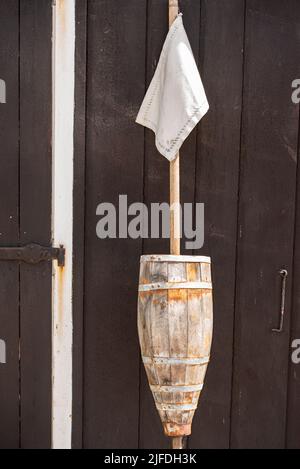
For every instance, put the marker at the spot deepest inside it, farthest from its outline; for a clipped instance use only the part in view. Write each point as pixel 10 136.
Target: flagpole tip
pixel 173 11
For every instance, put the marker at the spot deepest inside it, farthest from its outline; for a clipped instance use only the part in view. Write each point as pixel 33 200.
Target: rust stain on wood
pixel 60 295
pixel 177 295
pixel 61 6
pixel 193 272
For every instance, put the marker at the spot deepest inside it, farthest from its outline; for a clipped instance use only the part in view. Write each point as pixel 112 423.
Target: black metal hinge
pixel 33 254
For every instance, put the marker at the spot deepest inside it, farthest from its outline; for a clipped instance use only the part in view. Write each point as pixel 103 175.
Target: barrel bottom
pixel 174 429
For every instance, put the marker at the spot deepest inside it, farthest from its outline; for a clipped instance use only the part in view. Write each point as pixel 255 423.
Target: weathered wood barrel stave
pixel 175 323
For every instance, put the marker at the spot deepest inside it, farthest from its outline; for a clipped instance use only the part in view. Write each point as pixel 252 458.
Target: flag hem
pixel 171 152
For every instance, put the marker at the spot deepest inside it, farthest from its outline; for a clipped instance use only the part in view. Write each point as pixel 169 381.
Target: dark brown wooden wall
pixel 25 217
pixel 242 163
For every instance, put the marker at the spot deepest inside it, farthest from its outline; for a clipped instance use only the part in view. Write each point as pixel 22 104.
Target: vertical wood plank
pixel 156 184
pixel 9 223
pixel 62 220
pixel 221 65
pixel 266 221
pixel 35 220
pixel 115 145
pixel 293 406
pixel 160 343
pixel 79 206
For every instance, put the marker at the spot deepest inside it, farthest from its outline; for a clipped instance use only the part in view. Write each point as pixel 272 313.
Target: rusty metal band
pixel 175 361
pixel 176 407
pixel 176 286
pixel 171 258
pixel 162 388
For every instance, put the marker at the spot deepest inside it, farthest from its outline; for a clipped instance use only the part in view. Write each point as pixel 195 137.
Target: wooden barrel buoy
pixel 175 323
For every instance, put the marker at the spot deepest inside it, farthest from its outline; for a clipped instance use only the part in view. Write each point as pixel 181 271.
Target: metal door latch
pixel 2 352
pixel 33 254
pixel 283 273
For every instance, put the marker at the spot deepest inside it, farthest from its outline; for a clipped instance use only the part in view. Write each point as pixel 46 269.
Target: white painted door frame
pixel 62 218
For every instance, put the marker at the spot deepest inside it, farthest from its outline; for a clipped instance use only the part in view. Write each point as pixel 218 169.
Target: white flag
pixel 175 101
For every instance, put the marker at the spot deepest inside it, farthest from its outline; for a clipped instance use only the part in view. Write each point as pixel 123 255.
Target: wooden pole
pixel 174 172
pixel 177 442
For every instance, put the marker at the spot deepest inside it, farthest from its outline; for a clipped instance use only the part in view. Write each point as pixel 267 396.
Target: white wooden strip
pixel 175 285
pixel 161 388
pixel 171 258
pixel 62 219
pixel 175 361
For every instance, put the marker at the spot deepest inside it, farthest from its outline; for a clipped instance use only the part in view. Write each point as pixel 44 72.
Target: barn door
pixel 241 162
pixel 266 225
pixel 25 217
